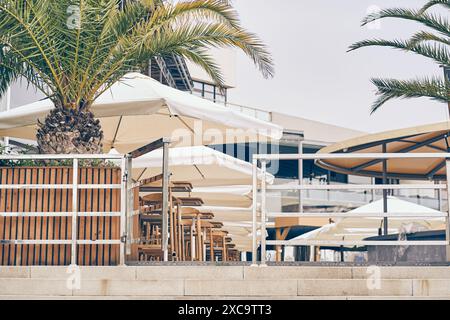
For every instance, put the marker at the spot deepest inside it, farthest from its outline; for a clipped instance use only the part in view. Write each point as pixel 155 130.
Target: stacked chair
pixel 193 236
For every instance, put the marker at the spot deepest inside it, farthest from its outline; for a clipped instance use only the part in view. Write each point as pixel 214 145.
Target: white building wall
pixel 3 104
pixel 22 94
pixel 225 58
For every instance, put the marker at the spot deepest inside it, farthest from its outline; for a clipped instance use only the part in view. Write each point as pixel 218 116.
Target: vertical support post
pixel 277 247
pixel 73 259
pixel 171 224
pixel 224 252
pixel 165 204
pixel 130 207
pixel 175 230
pixel 192 241
pixel 211 245
pixel 204 237
pixel 438 195
pixel 183 244
pixel 263 213
pixel 254 213
pixel 447 226
pixel 199 239
pixel 300 176
pixel 180 234
pixel 123 209
pixel 373 190
pixel 385 199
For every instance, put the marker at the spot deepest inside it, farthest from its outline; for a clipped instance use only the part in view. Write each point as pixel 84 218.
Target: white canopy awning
pixel 138 110
pixel 228 196
pixel 228 214
pixel 360 228
pixel 201 166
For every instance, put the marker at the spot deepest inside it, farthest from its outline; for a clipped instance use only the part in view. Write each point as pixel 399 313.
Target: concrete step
pixel 225 288
pixel 225 273
pixel 189 282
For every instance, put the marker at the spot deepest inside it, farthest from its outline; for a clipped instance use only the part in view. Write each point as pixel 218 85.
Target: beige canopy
pixel 227 196
pixel 241 233
pixel 229 214
pixel 138 110
pixel 201 166
pixel 432 138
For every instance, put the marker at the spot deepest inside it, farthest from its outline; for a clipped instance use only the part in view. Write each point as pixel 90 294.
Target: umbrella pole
pixel 165 209
pixel 254 213
pixel 385 202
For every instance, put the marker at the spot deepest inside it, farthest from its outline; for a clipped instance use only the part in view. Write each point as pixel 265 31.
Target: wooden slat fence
pixel 58 228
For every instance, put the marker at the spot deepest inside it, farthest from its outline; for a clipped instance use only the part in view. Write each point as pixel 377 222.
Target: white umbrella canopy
pixel 201 166
pixel 241 233
pixel 360 228
pixel 227 196
pixel 138 110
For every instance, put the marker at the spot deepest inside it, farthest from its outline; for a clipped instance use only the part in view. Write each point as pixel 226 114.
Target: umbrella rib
pixel 184 122
pixel 115 133
pixel 403 150
pixel 142 173
pixel 203 177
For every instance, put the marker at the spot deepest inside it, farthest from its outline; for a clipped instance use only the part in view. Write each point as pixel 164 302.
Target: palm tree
pixel 432 43
pixel 74 50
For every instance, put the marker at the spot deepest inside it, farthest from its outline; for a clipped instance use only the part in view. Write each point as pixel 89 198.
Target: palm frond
pixel 437 52
pixel 148 40
pixel 26 28
pixel 424 36
pixel 74 63
pixel 433 3
pixel 389 89
pixel 433 21
pixel 204 60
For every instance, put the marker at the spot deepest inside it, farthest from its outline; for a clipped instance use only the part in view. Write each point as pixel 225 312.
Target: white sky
pixel 316 78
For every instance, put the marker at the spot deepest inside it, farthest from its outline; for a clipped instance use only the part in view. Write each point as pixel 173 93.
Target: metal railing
pixel 260 210
pixel 75 213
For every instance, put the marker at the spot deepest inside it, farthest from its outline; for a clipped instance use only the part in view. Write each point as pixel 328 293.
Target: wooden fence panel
pixel 58 228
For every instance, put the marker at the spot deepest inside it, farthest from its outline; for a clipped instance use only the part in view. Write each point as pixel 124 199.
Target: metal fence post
pixel 165 204
pixel 447 226
pixel 263 213
pixel 300 176
pixel 123 208
pixel 385 192
pixel 130 206
pixel 254 213
pixel 73 259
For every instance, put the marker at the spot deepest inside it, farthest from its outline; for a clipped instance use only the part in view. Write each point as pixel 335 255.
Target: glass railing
pixel 253 112
pixel 345 199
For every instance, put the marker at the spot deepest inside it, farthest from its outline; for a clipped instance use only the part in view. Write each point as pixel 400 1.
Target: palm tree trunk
pixel 70 131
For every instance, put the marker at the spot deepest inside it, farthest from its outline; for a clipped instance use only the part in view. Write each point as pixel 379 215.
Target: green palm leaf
pixel 390 89
pixel 437 52
pixel 432 44
pixel 433 3
pixel 433 21
pixel 73 50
